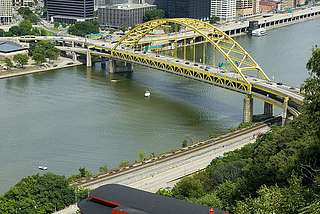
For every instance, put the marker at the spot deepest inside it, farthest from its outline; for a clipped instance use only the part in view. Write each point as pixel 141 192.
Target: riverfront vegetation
pixel 279 173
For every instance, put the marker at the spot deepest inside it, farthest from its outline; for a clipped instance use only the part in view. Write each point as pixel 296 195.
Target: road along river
pixel 76 117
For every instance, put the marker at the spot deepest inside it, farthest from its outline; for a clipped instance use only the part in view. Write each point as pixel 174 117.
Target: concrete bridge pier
pixel 74 56
pixel 103 60
pixel 247 109
pixel 88 58
pixel 285 111
pixel 268 110
pixel 113 68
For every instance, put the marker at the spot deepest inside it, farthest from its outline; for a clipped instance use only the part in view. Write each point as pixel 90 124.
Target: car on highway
pixel 279 83
pixel 177 60
pixel 269 82
pixel 187 63
pixel 195 64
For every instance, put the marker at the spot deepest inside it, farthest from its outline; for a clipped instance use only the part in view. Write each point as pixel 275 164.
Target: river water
pixel 76 117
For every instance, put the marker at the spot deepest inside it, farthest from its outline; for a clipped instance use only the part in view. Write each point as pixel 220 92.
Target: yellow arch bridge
pixel 172 46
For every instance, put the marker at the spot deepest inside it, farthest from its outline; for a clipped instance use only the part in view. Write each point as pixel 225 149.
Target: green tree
pixel 311 90
pixel 165 192
pixel 184 143
pixel 33 18
pixel 132 26
pixel 56 24
pixel 73 30
pixel 153 14
pixel 39 58
pixel 103 168
pixel 50 54
pixel 2 33
pixel 21 59
pixel 84 28
pixel 84 173
pixel 8 62
pixel 124 163
pixel 96 22
pixel 214 19
pixel 24 11
pixel 141 156
pixel 124 27
pixel 63 25
pixel 188 188
pixel 40 194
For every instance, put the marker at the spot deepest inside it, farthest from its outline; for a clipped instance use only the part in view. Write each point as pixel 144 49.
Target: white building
pixel 224 9
pixel 6 11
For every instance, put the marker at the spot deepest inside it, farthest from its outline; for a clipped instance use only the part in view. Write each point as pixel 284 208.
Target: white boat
pixel 259 32
pixel 147 94
pixel 43 167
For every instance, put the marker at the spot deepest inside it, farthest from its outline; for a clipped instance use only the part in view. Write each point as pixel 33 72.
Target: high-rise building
pixel 6 12
pixel 70 11
pixel 197 9
pixel 116 15
pixel 224 9
pixel 161 4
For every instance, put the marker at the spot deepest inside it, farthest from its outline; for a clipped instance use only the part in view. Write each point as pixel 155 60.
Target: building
pixel 161 4
pixel 247 7
pixel 224 9
pixel 70 11
pixel 9 49
pixel 196 9
pixel 118 199
pixel 6 11
pixel 28 2
pixel 113 16
pixel 244 8
pixel 268 6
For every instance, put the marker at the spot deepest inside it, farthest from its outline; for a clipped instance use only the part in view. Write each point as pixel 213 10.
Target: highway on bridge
pixel 240 73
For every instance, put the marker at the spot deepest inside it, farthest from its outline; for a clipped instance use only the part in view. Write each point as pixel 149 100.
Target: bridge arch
pixel 238 58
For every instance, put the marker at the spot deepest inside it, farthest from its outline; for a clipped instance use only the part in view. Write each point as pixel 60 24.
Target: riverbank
pixel 60 62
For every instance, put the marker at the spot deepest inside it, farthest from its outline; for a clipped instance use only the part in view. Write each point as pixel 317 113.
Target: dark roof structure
pixel 118 199
pixel 8 47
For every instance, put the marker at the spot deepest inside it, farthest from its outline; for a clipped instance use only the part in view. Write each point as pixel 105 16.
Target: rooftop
pixel 128 6
pixel 7 47
pixel 133 201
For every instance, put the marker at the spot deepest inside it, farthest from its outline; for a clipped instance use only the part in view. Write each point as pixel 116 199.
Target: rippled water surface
pixel 76 117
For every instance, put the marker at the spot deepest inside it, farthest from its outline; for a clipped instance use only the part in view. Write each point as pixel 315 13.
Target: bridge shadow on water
pixel 184 89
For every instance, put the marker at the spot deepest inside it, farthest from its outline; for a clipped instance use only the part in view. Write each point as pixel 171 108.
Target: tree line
pixel 279 173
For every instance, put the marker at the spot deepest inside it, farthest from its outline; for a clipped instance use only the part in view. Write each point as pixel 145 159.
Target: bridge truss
pixel 235 56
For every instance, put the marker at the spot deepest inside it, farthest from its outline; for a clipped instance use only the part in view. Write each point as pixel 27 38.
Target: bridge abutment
pixel 247 109
pixel 113 68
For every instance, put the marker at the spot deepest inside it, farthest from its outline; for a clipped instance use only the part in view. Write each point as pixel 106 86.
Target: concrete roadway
pixel 166 175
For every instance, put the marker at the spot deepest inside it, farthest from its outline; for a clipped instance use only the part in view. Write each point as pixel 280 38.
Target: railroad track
pixel 173 155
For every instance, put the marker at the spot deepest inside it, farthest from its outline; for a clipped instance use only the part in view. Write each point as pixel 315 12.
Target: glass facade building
pixel 196 9
pixel 70 11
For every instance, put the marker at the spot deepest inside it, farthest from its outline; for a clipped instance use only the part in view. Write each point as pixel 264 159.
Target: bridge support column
pixel 74 56
pixel 103 60
pixel 113 68
pixel 285 111
pixel 88 58
pixel 247 109
pixel 268 109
